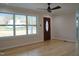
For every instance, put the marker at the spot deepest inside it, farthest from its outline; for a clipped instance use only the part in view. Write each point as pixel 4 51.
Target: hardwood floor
pixel 48 48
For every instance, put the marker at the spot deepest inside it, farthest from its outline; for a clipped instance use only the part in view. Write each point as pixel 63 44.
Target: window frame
pixel 32 25
pixel 14 26
pixel 8 25
pixel 19 25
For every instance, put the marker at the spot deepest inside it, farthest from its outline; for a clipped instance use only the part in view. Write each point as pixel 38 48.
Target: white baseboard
pixel 73 40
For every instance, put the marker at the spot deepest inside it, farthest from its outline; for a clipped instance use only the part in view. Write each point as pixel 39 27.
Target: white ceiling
pixel 65 7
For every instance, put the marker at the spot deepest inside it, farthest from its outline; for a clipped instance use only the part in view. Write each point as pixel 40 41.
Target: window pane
pixel 20 30
pixel 20 20
pixel 34 29
pixel 6 31
pixel 34 20
pixel 31 29
pixel 31 20
pixel 6 19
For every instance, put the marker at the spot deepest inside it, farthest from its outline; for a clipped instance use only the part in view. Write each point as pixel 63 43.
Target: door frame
pixel 43 28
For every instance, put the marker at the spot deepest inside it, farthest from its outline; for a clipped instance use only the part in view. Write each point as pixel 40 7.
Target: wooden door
pixel 47 30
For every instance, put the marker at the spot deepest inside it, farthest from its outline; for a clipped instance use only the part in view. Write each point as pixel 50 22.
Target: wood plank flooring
pixel 48 48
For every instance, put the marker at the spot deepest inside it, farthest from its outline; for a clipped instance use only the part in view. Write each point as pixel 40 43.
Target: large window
pixel 20 25
pixel 6 24
pixel 31 24
pixel 13 25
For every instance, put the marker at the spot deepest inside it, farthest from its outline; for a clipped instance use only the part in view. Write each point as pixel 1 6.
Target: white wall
pixel 63 27
pixel 10 42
